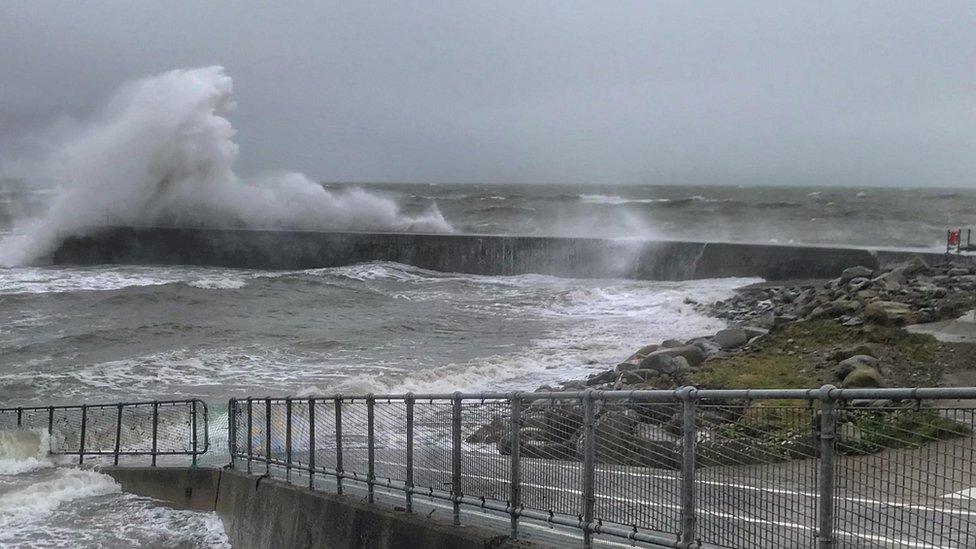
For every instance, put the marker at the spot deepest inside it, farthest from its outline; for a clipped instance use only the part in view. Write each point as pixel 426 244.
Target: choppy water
pixel 107 333
pixel 808 215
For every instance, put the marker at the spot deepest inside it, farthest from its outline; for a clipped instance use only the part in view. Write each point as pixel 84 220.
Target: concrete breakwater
pixel 260 512
pixel 472 254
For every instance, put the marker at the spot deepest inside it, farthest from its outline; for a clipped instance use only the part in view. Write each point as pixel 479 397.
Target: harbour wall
pixel 472 254
pixel 261 512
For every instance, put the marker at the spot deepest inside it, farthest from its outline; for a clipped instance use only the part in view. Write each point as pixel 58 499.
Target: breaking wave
pixel 162 153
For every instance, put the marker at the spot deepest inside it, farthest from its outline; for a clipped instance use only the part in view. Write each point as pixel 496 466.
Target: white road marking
pixel 871 537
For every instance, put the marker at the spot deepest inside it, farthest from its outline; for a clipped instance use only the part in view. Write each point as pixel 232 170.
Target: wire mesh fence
pixel 119 431
pixel 685 468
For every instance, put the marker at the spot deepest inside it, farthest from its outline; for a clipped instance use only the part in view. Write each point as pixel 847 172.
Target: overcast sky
pixel 722 92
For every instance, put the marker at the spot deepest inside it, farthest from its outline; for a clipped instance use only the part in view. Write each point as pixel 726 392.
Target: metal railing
pixel 124 429
pixel 819 468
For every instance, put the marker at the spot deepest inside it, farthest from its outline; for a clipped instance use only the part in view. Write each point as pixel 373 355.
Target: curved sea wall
pixel 473 254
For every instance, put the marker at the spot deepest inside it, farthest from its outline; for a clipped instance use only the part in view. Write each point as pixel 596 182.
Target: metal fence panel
pixel 812 468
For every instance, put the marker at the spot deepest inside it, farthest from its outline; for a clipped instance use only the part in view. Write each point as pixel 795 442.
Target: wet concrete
pixel 473 254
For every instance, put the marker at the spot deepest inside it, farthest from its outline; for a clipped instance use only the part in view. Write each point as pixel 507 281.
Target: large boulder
pixel 863 377
pixel 859 271
pixel 673 362
pixel 889 312
pixel 848 365
pixel 489 433
pixel 731 338
pixel 608 376
pixel 692 353
pixel 613 432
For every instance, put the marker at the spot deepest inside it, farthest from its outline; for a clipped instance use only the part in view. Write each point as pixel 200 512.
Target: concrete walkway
pixel 960 330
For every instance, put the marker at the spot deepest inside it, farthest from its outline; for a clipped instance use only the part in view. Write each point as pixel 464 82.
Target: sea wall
pixel 474 254
pixel 260 512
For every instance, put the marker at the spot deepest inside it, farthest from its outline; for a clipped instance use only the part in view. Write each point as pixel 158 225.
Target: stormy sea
pixel 161 153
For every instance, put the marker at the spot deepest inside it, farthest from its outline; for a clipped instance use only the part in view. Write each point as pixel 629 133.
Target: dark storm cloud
pixel 654 92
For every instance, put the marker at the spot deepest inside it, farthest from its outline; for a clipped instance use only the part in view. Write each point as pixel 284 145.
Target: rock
pixel 658 362
pixel 848 365
pixel 607 376
pixel 859 271
pixel 638 376
pixel 863 377
pixel 873 350
pixel 958 271
pixel 891 281
pixel 614 434
pixel 681 366
pixel 707 346
pixel 782 320
pixel 913 266
pixel 692 353
pixel 889 312
pixel 627 367
pixel 646 350
pixel 753 331
pixel 489 433
pixel 731 338
pixel 671 343
pixel 844 307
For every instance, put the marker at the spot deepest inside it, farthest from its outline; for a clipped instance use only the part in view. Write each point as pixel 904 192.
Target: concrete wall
pixel 475 254
pixel 264 513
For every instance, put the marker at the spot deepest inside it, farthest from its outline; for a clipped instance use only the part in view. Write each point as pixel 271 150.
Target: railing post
pixel 267 435
pixel 232 429
pixel 50 423
pixel 456 492
pixel 370 446
pixel 338 434
pixel 825 496
pixel 81 440
pixel 20 417
pixel 689 430
pixel 155 431
pixel 288 439
pixel 311 443
pixel 515 486
pixel 118 434
pixel 193 433
pixel 589 458
pixel 409 472
pixel 250 433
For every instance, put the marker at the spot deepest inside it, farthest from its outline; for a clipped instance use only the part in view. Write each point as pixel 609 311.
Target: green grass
pixel 753 372
pixel 914 347
pixel 899 428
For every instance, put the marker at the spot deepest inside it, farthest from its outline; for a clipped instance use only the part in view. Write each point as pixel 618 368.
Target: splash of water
pixel 162 153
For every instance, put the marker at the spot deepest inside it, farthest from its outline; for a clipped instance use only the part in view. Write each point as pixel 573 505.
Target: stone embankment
pixel 846 331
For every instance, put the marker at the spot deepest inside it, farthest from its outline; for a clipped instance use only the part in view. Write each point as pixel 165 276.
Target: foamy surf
pixel 23 450
pixel 69 507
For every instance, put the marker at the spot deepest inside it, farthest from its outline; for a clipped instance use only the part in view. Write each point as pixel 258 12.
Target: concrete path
pixel 960 330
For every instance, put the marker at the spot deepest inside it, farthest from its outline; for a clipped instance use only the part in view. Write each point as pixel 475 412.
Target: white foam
pixel 103 278
pixel 22 451
pixel 39 499
pixel 161 153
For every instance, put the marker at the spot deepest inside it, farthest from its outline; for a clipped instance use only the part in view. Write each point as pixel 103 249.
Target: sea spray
pixel 23 450
pixel 161 152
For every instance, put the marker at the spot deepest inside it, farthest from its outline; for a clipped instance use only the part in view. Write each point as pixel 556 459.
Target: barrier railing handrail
pixel 197 416
pixel 826 391
pixel 257 412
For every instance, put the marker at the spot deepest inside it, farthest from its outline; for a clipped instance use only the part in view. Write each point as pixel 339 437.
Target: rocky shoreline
pixel 847 331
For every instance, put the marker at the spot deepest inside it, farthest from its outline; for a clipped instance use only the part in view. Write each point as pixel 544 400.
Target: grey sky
pixel 858 93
